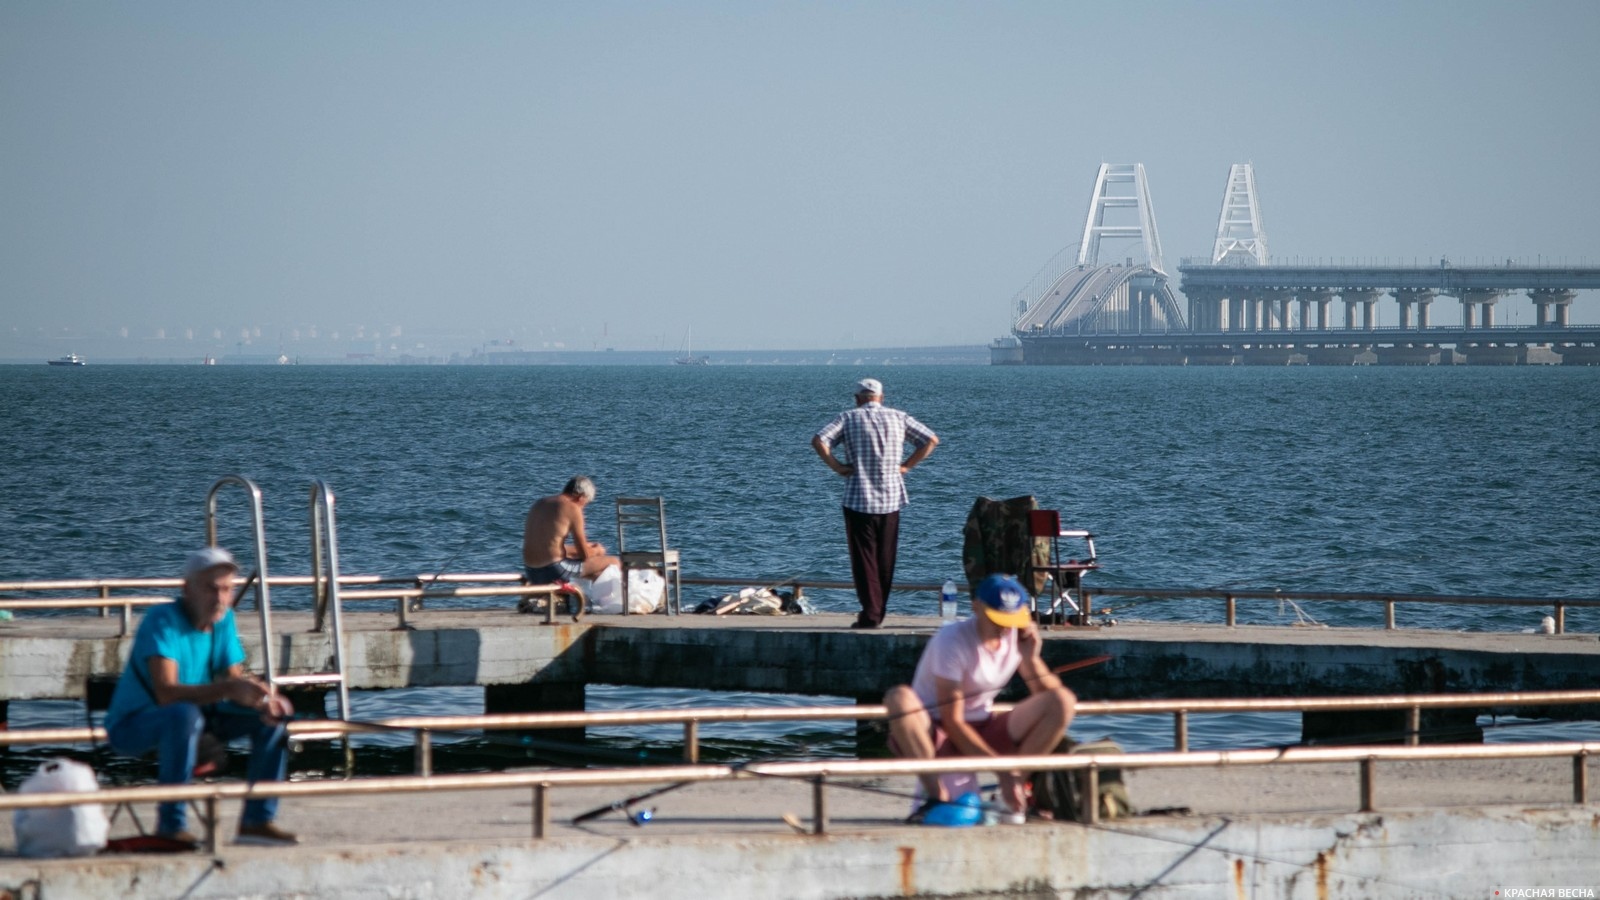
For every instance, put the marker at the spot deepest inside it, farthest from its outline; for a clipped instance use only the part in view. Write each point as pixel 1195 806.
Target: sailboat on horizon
pixel 688 358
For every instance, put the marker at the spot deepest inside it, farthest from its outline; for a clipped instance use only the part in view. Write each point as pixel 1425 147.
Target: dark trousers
pixel 874 538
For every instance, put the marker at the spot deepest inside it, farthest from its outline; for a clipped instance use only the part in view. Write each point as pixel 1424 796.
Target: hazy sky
pixel 773 175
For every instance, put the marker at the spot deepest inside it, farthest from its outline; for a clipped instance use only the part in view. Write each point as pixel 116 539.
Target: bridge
pixel 1241 308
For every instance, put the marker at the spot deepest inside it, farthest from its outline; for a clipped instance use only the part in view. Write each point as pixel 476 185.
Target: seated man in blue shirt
pixel 186 677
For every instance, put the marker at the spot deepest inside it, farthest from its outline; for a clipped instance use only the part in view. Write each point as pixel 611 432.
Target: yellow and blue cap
pixel 1003 599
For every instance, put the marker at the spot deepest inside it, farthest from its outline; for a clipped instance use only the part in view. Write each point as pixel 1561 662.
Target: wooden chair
pixel 648 516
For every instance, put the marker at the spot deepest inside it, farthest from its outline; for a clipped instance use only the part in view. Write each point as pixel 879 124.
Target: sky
pixel 754 175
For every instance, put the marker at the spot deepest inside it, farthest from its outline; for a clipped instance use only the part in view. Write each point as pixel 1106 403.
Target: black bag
pixel 1058 794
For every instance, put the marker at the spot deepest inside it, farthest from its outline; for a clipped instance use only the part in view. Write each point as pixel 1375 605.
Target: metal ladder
pixel 325 587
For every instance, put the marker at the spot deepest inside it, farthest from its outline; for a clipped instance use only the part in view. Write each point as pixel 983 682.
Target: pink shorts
pixel 993 731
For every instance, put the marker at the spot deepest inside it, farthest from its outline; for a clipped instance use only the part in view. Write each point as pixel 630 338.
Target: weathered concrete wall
pixel 1460 853
pixel 818 655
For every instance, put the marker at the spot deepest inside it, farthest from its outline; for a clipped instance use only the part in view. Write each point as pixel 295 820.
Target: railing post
pixel 1368 772
pixel 1089 799
pixel 1561 618
pixel 105 592
pixel 1388 614
pixel 424 752
pixel 1233 611
pixel 1580 777
pixel 211 825
pixel 127 620
pixel 691 741
pixel 1180 730
pixel 1414 726
pixel 819 806
pixel 541 810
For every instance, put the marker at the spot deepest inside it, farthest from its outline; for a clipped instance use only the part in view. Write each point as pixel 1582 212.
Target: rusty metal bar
pixel 1180 730
pixel 1233 612
pixel 424 752
pixel 1089 797
pixel 1368 775
pixel 210 818
pixel 815 771
pixel 1561 618
pixel 691 740
pixel 541 810
pixel 819 805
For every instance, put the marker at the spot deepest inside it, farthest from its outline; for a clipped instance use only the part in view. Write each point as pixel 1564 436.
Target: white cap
pixel 207 558
pixel 869 386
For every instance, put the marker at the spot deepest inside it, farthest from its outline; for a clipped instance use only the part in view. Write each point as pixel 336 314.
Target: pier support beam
pixel 539 696
pixel 1438 726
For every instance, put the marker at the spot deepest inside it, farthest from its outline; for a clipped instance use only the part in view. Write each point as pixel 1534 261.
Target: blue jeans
pixel 173 731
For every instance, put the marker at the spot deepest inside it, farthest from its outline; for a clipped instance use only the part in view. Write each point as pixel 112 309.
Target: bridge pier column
pixel 1321 298
pixel 1421 297
pixel 1367 298
pixel 1545 298
pixel 1483 297
pixel 1235 314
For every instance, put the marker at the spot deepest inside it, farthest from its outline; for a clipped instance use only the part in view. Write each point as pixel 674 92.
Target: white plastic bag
pixel 645 590
pixel 60 830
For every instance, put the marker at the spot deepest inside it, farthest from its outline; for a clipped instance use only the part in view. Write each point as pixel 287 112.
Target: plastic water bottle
pixel 948 599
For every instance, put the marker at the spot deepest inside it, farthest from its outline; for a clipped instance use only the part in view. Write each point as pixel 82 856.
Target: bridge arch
pixel 1116 299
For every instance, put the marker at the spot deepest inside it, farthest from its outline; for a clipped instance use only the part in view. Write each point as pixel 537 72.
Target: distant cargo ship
pixel 71 359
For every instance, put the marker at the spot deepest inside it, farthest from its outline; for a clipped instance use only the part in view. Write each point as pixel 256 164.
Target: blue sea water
pixel 1425 480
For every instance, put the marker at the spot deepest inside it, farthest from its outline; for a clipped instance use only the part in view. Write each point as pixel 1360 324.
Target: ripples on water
pixel 1432 480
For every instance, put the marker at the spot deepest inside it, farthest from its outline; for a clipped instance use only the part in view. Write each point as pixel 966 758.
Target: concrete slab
pixel 1443 829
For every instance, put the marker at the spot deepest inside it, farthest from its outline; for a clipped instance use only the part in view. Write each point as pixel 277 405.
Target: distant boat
pixel 688 358
pixel 209 361
pixel 71 359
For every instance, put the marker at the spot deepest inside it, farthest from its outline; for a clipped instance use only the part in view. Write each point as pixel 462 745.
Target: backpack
pixel 1056 795
pixel 996 538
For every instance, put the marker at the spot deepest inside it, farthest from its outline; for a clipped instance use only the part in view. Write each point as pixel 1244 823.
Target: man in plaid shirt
pixel 873 436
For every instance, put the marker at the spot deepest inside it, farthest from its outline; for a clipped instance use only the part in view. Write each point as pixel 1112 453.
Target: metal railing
pixel 420 588
pixel 1230 597
pixel 817 775
pixel 424 727
pixel 408 599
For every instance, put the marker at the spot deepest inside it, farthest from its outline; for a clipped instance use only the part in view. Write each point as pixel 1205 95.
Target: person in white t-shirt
pixel 947 709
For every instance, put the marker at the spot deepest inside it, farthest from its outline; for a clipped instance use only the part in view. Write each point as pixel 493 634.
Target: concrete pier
pixel 1442 829
pixel 52 657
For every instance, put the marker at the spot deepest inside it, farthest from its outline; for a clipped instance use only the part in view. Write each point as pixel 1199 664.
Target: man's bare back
pixel 551 521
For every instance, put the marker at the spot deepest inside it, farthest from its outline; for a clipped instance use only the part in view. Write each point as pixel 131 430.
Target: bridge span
pixel 1242 308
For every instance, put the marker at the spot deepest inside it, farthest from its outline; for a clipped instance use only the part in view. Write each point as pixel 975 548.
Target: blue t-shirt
pixel 165 631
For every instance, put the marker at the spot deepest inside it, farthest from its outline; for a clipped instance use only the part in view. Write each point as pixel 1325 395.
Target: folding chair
pixel 1066 575
pixel 648 515
pixel 211 756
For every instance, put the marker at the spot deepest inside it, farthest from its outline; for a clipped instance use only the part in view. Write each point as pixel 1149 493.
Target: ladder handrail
pixel 325 530
pixel 263 590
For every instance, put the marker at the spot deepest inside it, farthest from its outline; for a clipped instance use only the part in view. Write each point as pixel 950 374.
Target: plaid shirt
pixel 874 438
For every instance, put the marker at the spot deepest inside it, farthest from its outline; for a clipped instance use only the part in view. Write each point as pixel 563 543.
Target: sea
pixel 1442 480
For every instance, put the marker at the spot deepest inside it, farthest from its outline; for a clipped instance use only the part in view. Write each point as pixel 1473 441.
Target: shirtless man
pixel 554 547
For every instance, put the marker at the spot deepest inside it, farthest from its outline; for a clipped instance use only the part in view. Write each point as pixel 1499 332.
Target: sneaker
pixel 180 837
pixel 265 835
pixel 1013 817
